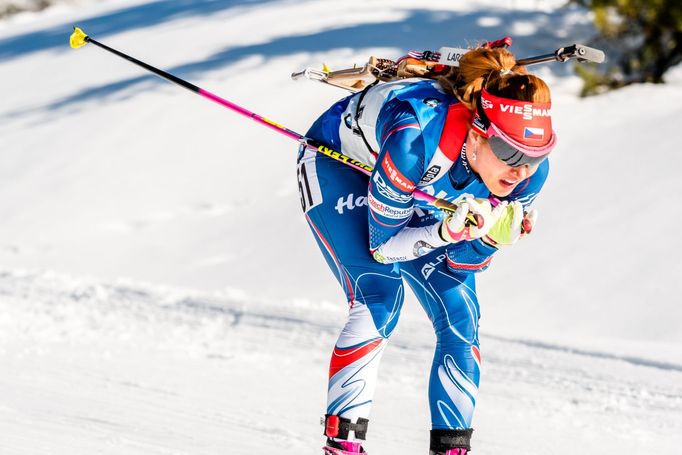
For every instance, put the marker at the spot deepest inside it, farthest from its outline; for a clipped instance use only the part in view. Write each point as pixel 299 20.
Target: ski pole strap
pixel 444 440
pixel 340 427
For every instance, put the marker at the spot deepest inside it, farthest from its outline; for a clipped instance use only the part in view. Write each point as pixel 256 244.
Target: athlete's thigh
pixel 334 199
pixel 449 298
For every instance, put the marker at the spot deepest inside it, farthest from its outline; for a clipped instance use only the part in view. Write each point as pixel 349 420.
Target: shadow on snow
pixel 119 21
pixel 420 29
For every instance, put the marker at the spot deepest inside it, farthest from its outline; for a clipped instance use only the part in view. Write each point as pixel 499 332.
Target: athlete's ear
pixel 474 137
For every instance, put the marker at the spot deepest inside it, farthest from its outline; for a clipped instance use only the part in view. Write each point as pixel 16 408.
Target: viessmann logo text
pixel 527 111
pixel 395 176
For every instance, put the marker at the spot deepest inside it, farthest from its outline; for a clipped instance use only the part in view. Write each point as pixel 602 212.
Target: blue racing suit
pixel 373 234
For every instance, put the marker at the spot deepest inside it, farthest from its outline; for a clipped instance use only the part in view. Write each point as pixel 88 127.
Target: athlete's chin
pixel 499 186
pixel 501 190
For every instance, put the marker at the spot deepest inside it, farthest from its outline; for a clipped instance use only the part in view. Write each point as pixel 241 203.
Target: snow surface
pixel 160 292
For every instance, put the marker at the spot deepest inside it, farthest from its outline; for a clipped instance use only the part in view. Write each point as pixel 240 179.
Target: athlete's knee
pixel 382 304
pixel 466 354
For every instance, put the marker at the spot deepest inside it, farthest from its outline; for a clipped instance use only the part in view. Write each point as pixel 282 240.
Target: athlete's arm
pixel 399 167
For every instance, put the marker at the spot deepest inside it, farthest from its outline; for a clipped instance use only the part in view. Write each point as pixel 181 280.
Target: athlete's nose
pixel 521 172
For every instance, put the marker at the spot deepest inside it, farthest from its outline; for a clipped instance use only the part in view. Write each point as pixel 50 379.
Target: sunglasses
pixel 514 153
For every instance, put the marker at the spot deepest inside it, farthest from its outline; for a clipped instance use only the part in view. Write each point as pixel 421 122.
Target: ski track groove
pixel 639 361
pixel 154 306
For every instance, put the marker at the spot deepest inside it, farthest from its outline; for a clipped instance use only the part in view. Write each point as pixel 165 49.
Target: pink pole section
pixel 418 194
pixel 246 113
pixel 308 142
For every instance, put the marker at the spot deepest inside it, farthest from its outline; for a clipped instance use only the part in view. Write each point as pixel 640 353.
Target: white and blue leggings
pixel 334 198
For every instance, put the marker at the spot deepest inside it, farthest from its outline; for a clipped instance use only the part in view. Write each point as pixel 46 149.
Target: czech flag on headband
pixel 523 121
pixel 533 133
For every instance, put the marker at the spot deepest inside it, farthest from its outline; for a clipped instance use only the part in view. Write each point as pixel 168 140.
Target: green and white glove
pixel 461 225
pixel 511 225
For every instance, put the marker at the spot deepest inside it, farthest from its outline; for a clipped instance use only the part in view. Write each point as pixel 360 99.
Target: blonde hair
pixel 496 71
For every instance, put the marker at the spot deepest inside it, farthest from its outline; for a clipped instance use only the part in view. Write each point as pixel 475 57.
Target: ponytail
pixel 496 71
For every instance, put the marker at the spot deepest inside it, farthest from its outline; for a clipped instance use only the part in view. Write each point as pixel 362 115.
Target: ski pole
pixel 79 38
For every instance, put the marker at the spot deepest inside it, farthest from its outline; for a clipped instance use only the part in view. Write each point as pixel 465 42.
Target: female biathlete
pixel 478 136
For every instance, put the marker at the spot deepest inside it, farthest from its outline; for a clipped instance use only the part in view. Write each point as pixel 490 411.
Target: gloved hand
pixel 461 225
pixel 511 225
